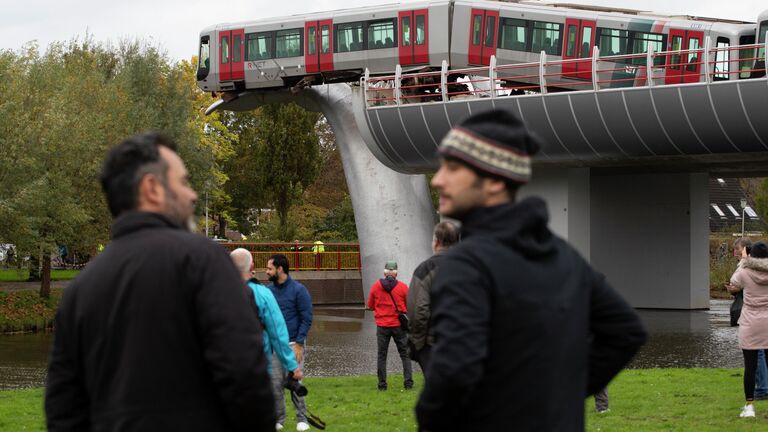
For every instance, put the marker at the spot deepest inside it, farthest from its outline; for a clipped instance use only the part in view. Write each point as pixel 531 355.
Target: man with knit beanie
pixel 524 328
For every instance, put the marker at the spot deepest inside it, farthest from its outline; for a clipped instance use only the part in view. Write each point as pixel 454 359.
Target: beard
pixel 175 210
pixel 273 278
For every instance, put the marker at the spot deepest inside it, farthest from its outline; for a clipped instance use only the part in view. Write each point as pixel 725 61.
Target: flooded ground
pixel 343 342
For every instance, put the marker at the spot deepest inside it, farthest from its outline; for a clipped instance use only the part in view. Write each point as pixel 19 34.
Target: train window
pixel 514 34
pixel 381 34
pixel 237 45
pixel 312 40
pixel 640 42
pixel 477 27
pixel 746 57
pixel 420 30
pixel 225 50
pixel 325 39
pixel 693 55
pixel 546 37
pixel 288 43
pixel 573 32
pixel 204 60
pixel 761 40
pixel 674 59
pixel 349 37
pixel 723 59
pixel 258 46
pixel 490 30
pixel 405 30
pixel 613 42
pixel 586 42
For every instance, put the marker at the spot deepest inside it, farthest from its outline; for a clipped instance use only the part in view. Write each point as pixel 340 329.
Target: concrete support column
pixel 393 211
pixel 650 237
pixel 567 193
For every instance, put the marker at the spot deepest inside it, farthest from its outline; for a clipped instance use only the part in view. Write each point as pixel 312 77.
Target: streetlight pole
pixel 743 209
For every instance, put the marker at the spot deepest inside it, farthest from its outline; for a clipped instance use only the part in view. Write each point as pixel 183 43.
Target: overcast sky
pixel 175 24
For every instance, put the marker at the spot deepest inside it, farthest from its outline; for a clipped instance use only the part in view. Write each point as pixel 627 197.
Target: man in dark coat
pixel 158 332
pixel 421 337
pixel 525 329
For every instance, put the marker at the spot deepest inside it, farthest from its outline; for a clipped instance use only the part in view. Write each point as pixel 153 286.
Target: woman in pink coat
pixel 752 277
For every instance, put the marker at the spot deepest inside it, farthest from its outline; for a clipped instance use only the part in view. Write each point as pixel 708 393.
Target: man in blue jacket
pixel 276 333
pixel 296 305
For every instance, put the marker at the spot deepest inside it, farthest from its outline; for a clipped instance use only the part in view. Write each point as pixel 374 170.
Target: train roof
pixel 637 12
pixel 537 4
pixel 326 14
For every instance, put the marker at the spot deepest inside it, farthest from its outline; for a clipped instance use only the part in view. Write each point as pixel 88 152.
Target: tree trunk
pixel 45 285
pixel 222 227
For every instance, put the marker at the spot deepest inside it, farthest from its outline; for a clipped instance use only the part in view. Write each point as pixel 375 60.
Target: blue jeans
pixel 761 376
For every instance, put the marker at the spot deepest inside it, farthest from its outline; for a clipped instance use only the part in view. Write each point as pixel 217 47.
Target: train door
pixel 231 55
pixel 318 46
pixel 483 36
pixel 414 36
pixel 684 67
pixel 579 42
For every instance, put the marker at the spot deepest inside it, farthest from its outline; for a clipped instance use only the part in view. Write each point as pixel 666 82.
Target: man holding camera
pixel 296 306
pixel 387 300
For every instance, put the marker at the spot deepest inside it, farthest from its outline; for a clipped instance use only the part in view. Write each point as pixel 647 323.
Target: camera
pixel 294 385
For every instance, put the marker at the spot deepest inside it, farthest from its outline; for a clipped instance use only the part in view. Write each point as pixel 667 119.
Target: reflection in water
pixel 690 338
pixel 342 341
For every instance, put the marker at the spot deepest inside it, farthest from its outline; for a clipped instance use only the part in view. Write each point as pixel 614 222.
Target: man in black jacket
pixel 158 332
pixel 421 337
pixel 525 329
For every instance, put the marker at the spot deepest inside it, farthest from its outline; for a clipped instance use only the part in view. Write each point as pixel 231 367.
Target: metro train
pixel 338 46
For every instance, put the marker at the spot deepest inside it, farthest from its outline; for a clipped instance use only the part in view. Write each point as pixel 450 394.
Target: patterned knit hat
pixel 494 142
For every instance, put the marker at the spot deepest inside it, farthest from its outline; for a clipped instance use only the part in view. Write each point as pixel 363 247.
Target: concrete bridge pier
pixel 393 211
pixel 648 233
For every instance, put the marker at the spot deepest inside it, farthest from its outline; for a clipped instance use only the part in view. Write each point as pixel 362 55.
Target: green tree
pixel 72 103
pixel 287 156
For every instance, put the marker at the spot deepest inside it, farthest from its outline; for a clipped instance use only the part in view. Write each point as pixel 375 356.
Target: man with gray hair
pixel 421 338
pixel 276 332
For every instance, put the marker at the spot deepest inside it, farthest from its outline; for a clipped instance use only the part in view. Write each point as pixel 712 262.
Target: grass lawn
pixel 16 275
pixel 640 400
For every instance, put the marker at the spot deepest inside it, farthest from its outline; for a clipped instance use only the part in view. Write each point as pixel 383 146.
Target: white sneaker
pixel 747 411
pixel 278 427
pixel 303 426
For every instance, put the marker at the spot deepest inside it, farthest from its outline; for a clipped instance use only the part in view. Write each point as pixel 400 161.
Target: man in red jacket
pixel 387 299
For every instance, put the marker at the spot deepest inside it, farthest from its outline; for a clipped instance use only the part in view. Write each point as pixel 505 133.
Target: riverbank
pixel 22 310
pixel 642 399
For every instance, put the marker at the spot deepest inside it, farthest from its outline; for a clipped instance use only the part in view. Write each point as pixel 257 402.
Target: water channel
pixel 342 342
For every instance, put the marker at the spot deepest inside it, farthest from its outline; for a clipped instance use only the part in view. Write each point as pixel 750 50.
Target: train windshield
pixel 761 38
pixel 205 54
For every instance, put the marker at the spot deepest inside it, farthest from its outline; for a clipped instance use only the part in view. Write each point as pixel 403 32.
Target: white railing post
pixel 398 73
pixel 542 81
pixel 649 66
pixel 595 54
pixel 366 77
pixel 444 80
pixel 492 76
pixel 707 47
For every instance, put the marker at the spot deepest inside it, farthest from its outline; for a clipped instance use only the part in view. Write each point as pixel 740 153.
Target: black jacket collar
pixel 131 222
pixel 521 225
